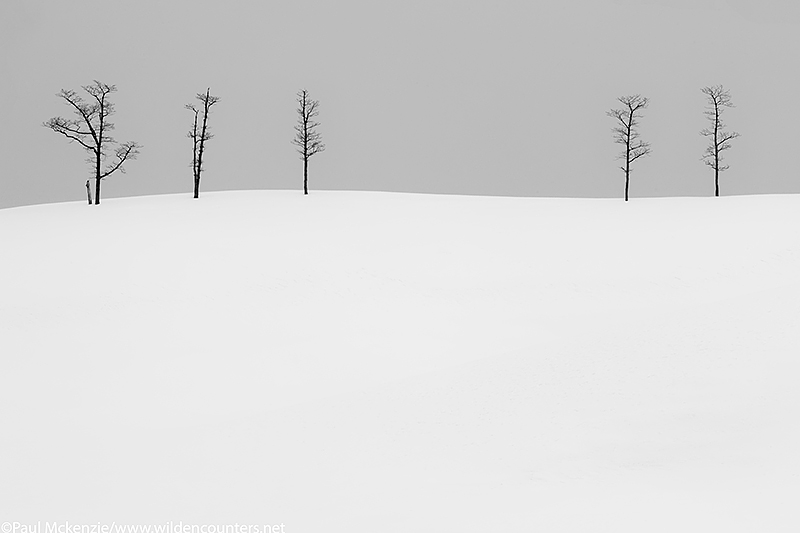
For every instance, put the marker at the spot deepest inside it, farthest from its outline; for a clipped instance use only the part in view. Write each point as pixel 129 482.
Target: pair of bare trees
pixel 307 139
pixel 90 129
pixel 626 131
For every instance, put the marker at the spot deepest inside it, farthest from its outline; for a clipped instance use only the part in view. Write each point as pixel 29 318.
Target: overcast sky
pixel 467 97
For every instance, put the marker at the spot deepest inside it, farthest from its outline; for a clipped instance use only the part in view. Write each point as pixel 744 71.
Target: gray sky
pixel 471 97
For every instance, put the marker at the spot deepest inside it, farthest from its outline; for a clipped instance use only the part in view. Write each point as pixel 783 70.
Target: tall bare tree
pixel 719 139
pixel 307 138
pixel 200 136
pixel 626 133
pixel 91 130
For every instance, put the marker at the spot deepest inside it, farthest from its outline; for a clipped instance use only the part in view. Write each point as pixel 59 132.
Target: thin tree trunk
pixel 88 192
pixel 202 144
pixel 627 165
pixel 716 148
pixel 199 169
pixel 99 151
pixel 627 180
pixel 305 175
pixel 97 181
pixel 194 157
pixel 628 154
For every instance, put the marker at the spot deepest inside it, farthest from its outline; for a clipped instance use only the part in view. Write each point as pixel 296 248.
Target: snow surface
pixel 378 362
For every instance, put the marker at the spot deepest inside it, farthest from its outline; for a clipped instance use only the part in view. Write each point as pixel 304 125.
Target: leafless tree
pixel 626 133
pixel 719 139
pixel 200 136
pixel 91 130
pixel 307 139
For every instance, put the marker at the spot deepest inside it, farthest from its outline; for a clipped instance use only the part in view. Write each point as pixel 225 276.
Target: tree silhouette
pixel 719 139
pixel 91 130
pixel 625 132
pixel 199 137
pixel 307 138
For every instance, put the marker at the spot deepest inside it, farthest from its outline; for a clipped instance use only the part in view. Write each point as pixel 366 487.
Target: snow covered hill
pixel 378 362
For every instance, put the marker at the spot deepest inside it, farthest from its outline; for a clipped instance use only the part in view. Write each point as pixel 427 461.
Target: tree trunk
pixel 627 166
pixel 88 192
pixel 627 180
pixel 202 144
pixel 716 148
pixel 305 175
pixel 97 181
pixel 194 157
pixel 628 154
pixel 198 170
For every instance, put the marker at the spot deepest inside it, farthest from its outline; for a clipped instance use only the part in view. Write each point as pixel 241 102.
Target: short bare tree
pixel 719 139
pixel 626 133
pixel 201 135
pixel 307 138
pixel 91 130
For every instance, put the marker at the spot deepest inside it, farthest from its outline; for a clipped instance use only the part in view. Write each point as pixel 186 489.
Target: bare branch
pixel 128 150
pixel 69 130
pixel 86 111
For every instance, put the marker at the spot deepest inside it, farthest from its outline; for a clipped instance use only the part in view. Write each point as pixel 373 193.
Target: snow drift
pixel 364 362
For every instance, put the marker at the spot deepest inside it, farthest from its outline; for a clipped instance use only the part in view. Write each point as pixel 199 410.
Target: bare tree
pixel 199 137
pixel 307 139
pixel 626 133
pixel 91 130
pixel 720 140
pixel 194 135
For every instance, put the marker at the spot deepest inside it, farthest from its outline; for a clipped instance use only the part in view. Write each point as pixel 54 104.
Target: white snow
pixel 378 362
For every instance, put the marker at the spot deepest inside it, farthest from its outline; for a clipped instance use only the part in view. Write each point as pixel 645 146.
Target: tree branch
pixel 128 150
